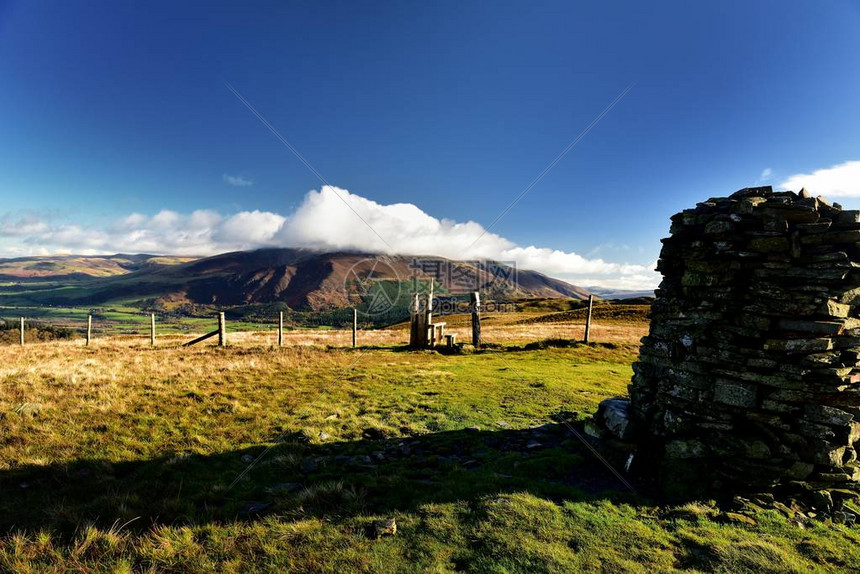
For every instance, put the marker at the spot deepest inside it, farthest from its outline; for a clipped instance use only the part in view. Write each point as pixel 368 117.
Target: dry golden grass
pixel 108 385
pixel 118 393
pixel 66 407
pixel 114 378
pixel 507 329
pixel 502 329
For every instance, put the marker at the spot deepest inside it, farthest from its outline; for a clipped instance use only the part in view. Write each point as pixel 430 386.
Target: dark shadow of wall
pixel 373 475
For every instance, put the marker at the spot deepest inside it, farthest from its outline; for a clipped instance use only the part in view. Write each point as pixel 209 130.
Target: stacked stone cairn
pixel 749 379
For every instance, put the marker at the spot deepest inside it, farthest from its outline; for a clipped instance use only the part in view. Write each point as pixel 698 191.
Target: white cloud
pixel 165 219
pixel 324 221
pixel 237 180
pixel 204 219
pixel 132 221
pixel 250 228
pixel 766 174
pixel 841 180
pixel 22 227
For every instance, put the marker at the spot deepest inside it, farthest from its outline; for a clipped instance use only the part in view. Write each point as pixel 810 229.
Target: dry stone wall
pixel 749 378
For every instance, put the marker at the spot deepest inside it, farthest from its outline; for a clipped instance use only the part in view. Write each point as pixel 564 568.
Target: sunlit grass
pixel 117 457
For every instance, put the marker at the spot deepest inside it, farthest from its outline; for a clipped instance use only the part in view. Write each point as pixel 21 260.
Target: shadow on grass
pixel 489 347
pixel 301 478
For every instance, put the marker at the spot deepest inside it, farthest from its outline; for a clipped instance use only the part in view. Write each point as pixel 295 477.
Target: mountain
pixel 59 267
pixel 300 278
pixel 606 293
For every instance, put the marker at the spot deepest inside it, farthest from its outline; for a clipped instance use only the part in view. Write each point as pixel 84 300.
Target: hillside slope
pixel 60 267
pixel 302 279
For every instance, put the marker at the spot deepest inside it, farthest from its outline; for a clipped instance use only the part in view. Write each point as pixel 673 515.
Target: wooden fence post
pixel 22 330
pixel 89 329
pixel 588 318
pixel 354 327
pixel 280 328
pixel 222 330
pixel 476 319
pixel 413 321
pixel 429 305
pixel 152 329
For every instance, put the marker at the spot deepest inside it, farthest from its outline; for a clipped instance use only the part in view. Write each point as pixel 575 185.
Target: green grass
pixel 121 458
pixel 123 319
pixel 132 316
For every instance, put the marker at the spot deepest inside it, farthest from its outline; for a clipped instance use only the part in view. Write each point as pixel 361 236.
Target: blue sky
pixel 109 110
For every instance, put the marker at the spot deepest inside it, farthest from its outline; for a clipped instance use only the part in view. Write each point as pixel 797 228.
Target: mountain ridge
pixel 300 278
pixel 55 267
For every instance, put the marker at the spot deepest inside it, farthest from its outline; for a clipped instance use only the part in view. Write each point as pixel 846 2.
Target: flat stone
pixel 779 407
pixel 735 393
pixel 799 345
pixel 778 380
pixel 592 429
pixel 818 227
pixel 800 470
pixel 794 213
pixel 768 245
pixel 822 501
pixel 831 237
pixel 786 511
pixel 615 416
pixel 697 279
pixel 753 193
pixel 813 327
pixel 385 527
pixel 761 363
pixel 844 517
pixel 828 415
pixel 822 359
pixel 832 456
pixel 719 227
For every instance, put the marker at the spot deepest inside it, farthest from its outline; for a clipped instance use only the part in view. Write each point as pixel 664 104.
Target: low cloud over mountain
pixel 327 220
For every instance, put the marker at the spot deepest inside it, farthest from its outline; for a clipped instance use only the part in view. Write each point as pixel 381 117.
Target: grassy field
pixel 119 458
pixel 117 320
pixel 633 313
pixel 499 327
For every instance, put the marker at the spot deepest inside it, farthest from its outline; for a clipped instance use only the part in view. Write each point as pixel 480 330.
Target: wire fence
pixel 257 325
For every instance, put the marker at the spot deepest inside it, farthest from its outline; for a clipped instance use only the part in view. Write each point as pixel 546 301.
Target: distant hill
pixel 59 267
pixel 299 278
pixel 605 293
